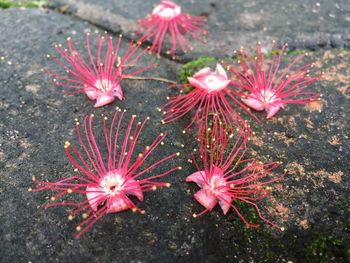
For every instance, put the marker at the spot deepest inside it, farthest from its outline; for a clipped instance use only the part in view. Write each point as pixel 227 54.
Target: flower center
pixel 268 96
pixel 167 12
pixel 112 183
pixel 217 183
pixel 103 85
pixel 213 83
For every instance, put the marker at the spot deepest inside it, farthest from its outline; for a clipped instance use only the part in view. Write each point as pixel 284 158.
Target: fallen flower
pixel 168 18
pixel 209 94
pixel 107 185
pixel 268 89
pixel 225 177
pixel 99 78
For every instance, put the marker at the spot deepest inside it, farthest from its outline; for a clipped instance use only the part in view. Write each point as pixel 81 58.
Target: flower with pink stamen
pixel 99 78
pixel 225 177
pixel 107 184
pixel 168 18
pixel 270 88
pixel 209 96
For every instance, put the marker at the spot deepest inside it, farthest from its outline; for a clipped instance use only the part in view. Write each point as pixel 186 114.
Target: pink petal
pixel 254 103
pixel 103 100
pixel 197 177
pixel 118 92
pixel 118 203
pixel 224 202
pixel 157 9
pixel 221 71
pixel 196 83
pixel 202 72
pixel 206 199
pixel 272 110
pixel 134 188
pixel 91 93
pixel 95 196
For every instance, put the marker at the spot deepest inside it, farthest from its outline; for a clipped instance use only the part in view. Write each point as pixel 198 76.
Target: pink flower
pixel 99 78
pixel 209 95
pixel 107 185
pixel 270 90
pixel 220 178
pixel 168 18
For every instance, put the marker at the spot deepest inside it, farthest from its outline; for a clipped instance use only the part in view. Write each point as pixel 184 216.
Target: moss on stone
pixel 324 248
pixel 30 4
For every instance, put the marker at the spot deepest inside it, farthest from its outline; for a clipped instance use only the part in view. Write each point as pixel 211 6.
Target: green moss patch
pixel 31 4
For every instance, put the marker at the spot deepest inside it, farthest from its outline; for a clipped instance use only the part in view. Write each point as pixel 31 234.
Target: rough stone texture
pixel 36 119
pixel 232 24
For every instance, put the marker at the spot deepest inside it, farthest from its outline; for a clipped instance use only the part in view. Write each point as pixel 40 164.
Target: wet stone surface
pixel 37 118
pixel 231 24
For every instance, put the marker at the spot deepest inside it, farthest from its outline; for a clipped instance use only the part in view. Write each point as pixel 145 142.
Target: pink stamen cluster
pixel 99 78
pixel 167 18
pixel 106 185
pixel 268 88
pixel 210 95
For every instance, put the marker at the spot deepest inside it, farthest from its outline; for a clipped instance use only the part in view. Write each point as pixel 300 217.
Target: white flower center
pixel 103 85
pixel 213 83
pixel 112 183
pixel 166 12
pixel 268 96
pixel 217 184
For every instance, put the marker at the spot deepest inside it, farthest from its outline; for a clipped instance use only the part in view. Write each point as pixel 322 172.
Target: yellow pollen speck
pixel 85 215
pixel 178 154
pixel 168 185
pixel 143 212
pixel 183 131
pixel 33 178
pixel 194 215
pixel 162 143
pixel 140 155
pixel 282 228
pixel 105 118
pixel 78 228
pixel 133 209
pixel 69 191
pixel 180 168
pixel 70 217
pixel 53 198
pixel 154 187
pixel 30 189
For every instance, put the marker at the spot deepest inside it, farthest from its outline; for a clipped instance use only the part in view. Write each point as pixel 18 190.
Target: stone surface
pixel 36 120
pixel 231 24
